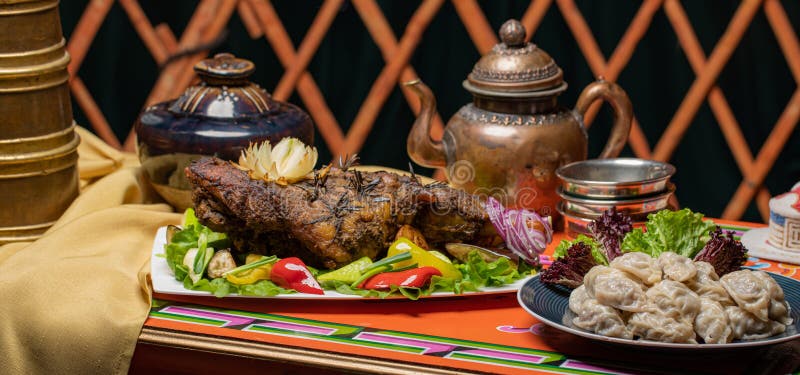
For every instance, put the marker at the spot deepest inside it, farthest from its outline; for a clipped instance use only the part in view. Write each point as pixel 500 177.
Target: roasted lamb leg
pixel 334 218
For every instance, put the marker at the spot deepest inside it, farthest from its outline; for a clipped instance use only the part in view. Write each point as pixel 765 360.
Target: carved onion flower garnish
pixel 293 160
pixel 288 162
pixel 256 160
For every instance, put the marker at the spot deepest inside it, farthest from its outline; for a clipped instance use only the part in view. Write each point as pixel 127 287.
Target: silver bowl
pixel 632 206
pixel 615 178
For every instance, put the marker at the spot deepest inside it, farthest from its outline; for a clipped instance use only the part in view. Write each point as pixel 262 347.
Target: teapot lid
pixel 224 91
pixel 515 68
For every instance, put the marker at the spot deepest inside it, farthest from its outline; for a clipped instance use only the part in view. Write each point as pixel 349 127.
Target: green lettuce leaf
pixel 220 288
pixel 597 253
pixel 181 272
pixel 262 288
pixel 479 273
pixel 410 293
pixel 636 241
pixel 189 218
pixel 186 239
pixel 176 249
pixel 683 232
pixel 345 288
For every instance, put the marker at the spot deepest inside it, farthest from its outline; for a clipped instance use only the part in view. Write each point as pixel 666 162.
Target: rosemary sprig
pixel 436 185
pixel 320 179
pixel 337 212
pixel 413 174
pixel 357 182
pixel 370 186
pixel 348 162
pixel 361 189
pixel 341 210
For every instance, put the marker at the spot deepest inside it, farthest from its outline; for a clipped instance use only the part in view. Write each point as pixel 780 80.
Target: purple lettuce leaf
pixel 609 230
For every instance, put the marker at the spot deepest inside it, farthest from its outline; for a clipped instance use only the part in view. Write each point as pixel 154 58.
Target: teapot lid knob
pixel 512 33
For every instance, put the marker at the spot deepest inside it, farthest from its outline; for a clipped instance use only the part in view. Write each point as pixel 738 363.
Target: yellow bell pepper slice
pixel 441 256
pixel 422 258
pixel 253 275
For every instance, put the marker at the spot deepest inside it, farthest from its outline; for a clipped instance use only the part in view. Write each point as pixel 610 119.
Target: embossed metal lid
pixel 225 90
pixel 515 68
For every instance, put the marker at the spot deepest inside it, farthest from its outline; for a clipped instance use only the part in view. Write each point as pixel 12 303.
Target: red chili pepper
pixel 413 278
pixel 292 273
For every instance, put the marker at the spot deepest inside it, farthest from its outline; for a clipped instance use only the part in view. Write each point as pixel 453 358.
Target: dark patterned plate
pixel 550 304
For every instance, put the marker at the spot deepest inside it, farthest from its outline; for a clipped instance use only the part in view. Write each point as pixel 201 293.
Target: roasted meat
pixel 333 219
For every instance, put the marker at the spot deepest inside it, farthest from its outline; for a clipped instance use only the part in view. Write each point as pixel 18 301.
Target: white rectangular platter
pixel 164 281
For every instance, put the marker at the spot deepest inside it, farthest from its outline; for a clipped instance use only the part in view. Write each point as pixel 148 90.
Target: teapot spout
pixel 422 149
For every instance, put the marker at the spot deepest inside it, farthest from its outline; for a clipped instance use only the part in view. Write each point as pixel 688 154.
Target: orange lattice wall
pixel 261 20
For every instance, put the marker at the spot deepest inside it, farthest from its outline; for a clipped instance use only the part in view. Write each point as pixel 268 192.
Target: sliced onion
pixel 512 225
pixel 495 211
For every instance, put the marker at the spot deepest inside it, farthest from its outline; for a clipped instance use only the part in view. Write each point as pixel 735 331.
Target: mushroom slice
pixel 221 262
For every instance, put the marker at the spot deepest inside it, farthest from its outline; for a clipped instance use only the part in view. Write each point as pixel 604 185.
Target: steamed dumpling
pixel 641 265
pixel 615 288
pixel 658 327
pixel 601 319
pixel 706 284
pixel 747 326
pixel 749 291
pixel 705 271
pixel 778 308
pixel 676 267
pixel 577 298
pixel 675 300
pixel 711 324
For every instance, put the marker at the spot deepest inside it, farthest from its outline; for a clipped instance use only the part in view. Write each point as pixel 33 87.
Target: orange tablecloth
pixel 475 333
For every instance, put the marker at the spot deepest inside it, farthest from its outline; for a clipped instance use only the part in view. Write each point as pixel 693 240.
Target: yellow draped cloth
pixel 74 301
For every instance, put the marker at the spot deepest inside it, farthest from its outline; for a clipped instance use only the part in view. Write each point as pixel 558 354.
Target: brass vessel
pixel 38 145
pixel 510 140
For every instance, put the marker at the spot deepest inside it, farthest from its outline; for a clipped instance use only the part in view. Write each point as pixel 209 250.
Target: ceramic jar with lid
pixel 219 117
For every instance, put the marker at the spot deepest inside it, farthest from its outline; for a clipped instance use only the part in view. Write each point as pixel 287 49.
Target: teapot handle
pixel 623 113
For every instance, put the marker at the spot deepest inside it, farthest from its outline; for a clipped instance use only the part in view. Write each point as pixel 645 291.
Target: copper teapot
pixel 510 140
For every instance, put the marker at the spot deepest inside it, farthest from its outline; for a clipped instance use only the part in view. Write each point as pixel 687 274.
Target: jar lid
pixel 225 90
pixel 515 68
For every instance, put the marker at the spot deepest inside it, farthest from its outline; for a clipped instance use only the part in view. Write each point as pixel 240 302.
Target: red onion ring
pixel 512 226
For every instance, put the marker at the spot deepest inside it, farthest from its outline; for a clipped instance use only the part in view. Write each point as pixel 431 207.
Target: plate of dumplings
pixel 670 302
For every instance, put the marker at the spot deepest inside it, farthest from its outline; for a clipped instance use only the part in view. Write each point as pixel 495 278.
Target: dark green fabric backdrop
pixel 119 72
